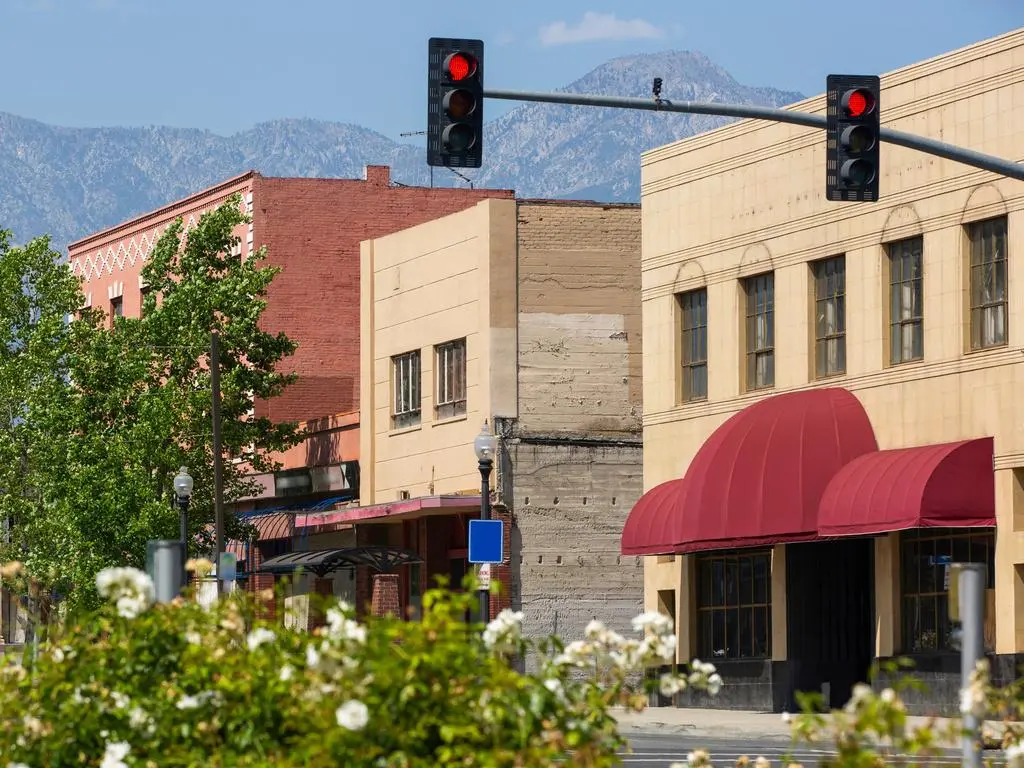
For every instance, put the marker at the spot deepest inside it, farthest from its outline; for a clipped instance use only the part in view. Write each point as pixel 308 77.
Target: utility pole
pixel 218 473
pixel 967 603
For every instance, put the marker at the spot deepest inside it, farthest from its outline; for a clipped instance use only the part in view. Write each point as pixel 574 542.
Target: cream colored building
pixel 793 347
pixel 525 314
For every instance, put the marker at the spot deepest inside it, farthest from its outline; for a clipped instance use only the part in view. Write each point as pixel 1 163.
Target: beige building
pixel 525 314
pixel 832 392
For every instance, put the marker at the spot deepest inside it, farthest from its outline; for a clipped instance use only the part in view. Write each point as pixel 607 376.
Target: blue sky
pixel 228 64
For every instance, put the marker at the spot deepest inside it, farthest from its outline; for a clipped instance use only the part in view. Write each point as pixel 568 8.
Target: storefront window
pixel 734 605
pixel 925 556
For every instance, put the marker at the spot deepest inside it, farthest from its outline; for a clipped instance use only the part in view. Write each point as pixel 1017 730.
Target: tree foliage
pixel 99 412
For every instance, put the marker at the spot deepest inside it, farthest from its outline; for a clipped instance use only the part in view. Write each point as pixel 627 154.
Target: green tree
pixel 127 402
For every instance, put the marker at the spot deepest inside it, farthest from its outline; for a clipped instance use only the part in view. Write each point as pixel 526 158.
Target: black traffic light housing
pixel 455 102
pixel 852 138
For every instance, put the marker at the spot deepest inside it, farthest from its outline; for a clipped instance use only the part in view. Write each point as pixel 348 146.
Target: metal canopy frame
pixel 324 561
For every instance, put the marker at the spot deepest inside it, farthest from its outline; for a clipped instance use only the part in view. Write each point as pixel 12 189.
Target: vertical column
pixel 260 582
pixel 887 597
pixel 780 625
pixel 323 589
pixel 385 599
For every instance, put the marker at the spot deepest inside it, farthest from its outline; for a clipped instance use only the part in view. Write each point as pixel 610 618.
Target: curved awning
pixel 323 561
pixel 946 485
pixel 651 525
pixel 759 478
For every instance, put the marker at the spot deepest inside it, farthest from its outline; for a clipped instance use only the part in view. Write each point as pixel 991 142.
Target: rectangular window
pixel 988 283
pixel 450 363
pixel 829 316
pixel 925 557
pixel 906 300
pixel 734 605
pixel 760 330
pixel 693 306
pixel 117 306
pixel 405 377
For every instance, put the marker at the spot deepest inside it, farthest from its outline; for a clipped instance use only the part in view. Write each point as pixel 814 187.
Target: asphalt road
pixel 657 750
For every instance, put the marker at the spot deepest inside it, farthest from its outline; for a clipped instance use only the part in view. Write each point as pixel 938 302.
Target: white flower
pixel 656 622
pixel 714 684
pixel 286 673
pixel 130 589
pixel 504 630
pixel 193 637
pixel 312 657
pixel 57 653
pixel 343 629
pixel 139 719
pixel 762 762
pixel 554 685
pixel 698 758
pixel 660 647
pixel 120 700
pixel 888 696
pixel 17 765
pixel 259 636
pixel 1014 755
pixel 705 668
pixel 114 755
pixel 787 718
pixel 594 630
pixel 352 715
pixel 972 701
pixel 671 684
pixel 575 654
pixel 193 702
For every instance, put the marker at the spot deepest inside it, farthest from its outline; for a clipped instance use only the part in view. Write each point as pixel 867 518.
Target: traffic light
pixel 852 138
pixel 455 102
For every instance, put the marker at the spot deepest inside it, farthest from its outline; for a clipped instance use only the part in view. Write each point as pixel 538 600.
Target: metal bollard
pixel 165 563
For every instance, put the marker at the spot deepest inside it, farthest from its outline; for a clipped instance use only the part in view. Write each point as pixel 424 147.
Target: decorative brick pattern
pixel 385 595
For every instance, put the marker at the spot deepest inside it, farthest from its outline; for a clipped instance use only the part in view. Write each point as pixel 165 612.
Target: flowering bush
pixel 138 684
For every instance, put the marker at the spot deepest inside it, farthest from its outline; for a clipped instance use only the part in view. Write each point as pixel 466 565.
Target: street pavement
pixel 659 750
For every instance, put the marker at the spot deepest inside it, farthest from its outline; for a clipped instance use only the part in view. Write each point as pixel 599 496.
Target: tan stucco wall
pixel 749 198
pixel 444 280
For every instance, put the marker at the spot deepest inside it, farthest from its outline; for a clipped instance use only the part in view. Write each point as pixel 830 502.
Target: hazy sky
pixel 228 64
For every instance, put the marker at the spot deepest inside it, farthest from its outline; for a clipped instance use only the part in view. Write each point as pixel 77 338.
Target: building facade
pixel 830 392
pixel 524 314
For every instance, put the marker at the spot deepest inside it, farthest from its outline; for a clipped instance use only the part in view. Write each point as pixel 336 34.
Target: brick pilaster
pixel 503 573
pixel 385 594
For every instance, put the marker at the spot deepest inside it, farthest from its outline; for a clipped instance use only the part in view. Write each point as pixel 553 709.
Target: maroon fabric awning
pixel 760 477
pixel 946 485
pixel 651 528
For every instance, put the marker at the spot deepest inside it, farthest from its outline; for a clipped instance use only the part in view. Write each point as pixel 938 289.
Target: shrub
pixel 138 684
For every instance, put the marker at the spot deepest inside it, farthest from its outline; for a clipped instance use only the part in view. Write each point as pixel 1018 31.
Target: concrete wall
pixel 749 198
pixel 575 449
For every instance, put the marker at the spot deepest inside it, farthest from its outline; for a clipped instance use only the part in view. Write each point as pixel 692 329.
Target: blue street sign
pixel 486 541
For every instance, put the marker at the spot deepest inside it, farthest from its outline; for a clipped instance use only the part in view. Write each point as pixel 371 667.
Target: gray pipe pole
pixel 166 564
pixel 929 146
pixel 972 620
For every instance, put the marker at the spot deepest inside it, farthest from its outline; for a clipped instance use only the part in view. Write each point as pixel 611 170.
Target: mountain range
pixel 68 182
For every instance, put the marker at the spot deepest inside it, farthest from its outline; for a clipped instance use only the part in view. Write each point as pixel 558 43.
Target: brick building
pixel 312 229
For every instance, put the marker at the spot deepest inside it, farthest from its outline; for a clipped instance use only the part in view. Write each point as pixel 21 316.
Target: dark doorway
pixel 830 590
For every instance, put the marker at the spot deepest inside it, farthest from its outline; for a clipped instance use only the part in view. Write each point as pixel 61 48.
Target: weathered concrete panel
pixel 571 501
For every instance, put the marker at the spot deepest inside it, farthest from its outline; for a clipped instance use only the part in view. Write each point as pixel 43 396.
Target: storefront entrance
pixel 830 617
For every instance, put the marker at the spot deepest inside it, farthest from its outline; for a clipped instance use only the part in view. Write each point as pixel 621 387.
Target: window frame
pixel 822 270
pixel 707 605
pixel 116 307
pixel 406 411
pixel 912 591
pixel 450 398
pixel 693 335
pixel 759 288
pixel 991 232
pixel 901 254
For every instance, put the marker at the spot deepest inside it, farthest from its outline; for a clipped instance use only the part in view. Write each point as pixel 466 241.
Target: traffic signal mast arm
pixel 929 146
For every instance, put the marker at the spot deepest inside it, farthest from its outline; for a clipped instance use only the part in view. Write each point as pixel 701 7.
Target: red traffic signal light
pixel 460 66
pixel 858 102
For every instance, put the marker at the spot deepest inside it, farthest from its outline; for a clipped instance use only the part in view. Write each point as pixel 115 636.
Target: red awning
pixel 760 477
pixel 651 526
pixel 947 485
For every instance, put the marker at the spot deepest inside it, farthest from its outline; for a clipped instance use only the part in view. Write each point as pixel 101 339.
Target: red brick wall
pixel 385 595
pixel 503 573
pixel 313 228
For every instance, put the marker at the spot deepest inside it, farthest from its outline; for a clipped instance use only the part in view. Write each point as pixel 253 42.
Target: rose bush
pixel 138 684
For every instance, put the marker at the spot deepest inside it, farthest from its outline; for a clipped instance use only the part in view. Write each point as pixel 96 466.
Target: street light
pixel 183 490
pixel 484 446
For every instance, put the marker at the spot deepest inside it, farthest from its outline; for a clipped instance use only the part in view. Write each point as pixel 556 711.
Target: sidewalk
pixel 744 725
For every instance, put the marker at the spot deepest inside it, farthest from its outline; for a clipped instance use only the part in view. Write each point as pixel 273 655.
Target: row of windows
pixel 988 312
pixel 449 384
pixel 734 596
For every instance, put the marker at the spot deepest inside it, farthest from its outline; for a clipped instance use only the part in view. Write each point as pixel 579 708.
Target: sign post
pixel 486 548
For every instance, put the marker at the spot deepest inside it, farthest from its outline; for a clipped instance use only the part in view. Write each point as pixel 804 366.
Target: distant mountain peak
pixel 70 182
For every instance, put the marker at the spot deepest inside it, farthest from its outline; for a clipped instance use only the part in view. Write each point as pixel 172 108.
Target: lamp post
pixel 484 446
pixel 183 490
